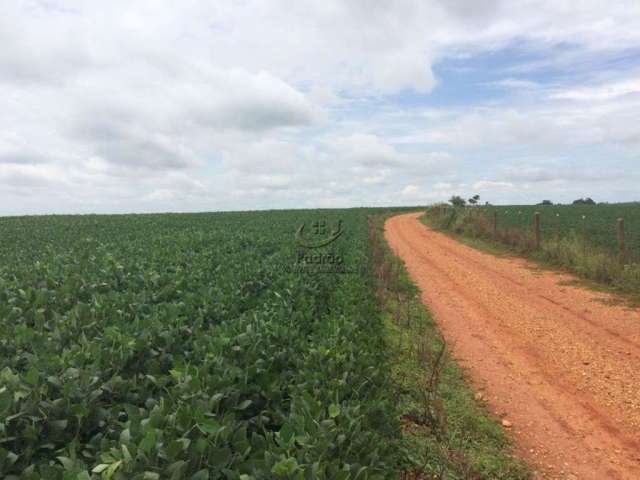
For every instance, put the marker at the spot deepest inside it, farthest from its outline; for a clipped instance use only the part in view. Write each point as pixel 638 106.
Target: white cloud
pixel 492 185
pixel 515 84
pixel 121 106
pixel 159 194
pixel 429 194
pixel 543 124
pixel 369 150
pixel 600 92
pixel 16 175
pixel 261 156
pixel 410 191
pixel 562 171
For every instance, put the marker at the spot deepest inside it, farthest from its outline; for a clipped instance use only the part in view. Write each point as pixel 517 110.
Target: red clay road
pixel 553 360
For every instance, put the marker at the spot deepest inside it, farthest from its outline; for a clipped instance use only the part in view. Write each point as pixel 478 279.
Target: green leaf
pixel 100 468
pixel 148 443
pixel 201 475
pixel 334 410
pixel 125 436
pixel 11 458
pixel 66 462
pixel 210 426
pixel 59 424
pixel 110 472
pixel 125 453
pixel 175 469
pixel 285 467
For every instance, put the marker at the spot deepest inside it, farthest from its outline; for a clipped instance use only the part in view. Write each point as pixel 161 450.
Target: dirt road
pixel 558 363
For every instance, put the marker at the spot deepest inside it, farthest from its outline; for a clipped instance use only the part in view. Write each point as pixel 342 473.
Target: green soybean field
pixel 192 346
pixel 596 223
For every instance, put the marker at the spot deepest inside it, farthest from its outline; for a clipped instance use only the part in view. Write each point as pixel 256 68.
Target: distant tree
pixel 546 202
pixel 457 201
pixel 584 201
pixel 474 200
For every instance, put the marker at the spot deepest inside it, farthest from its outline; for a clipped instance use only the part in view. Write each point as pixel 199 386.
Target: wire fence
pixel 597 225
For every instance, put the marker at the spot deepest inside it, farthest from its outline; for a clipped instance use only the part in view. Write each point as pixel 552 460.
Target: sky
pixel 148 106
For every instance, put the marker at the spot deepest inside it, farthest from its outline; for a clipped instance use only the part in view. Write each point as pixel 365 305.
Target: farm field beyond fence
pixel 585 239
pixel 188 346
pixel 596 223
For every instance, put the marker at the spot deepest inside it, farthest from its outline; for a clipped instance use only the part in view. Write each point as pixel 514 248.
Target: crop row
pixel 177 346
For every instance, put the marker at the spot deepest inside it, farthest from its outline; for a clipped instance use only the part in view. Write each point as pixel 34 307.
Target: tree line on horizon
pixel 458 201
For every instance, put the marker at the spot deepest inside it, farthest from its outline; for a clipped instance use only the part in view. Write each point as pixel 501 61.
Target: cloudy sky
pixel 141 106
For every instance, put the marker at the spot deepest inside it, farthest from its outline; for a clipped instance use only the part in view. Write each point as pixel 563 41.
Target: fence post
pixel 495 223
pixel 584 235
pixel 536 223
pixel 621 243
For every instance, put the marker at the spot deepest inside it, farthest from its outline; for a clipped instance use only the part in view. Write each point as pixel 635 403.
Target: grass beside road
pixel 595 266
pixel 447 431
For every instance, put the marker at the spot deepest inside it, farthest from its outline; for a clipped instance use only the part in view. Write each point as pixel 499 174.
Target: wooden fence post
pixel 621 243
pixel 584 235
pixel 536 223
pixel 495 224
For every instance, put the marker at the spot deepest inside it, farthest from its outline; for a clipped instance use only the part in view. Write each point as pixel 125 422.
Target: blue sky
pixel 139 107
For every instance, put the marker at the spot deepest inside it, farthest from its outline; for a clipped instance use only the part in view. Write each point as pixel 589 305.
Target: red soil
pixel 555 361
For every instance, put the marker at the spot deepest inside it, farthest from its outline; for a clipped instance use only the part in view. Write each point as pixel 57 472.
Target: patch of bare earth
pixel 556 364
